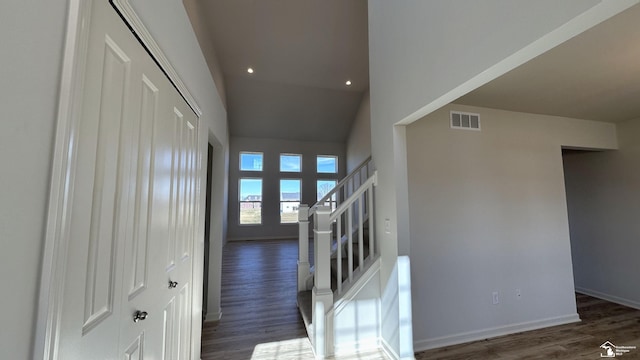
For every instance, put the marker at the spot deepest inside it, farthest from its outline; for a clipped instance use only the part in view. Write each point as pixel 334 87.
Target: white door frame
pixel 64 166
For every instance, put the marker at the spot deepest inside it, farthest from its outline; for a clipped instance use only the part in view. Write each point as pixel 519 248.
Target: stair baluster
pixel 360 231
pixel 339 253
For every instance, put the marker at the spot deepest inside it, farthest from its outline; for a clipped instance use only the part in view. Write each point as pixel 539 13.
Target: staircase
pixel 345 262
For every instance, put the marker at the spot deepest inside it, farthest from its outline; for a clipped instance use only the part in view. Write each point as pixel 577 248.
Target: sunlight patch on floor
pixel 298 349
pixel 293 349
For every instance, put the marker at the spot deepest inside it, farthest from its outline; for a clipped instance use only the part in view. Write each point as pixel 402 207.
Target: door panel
pixel 101 266
pixel 191 146
pixel 138 253
pixel 184 321
pixel 135 350
pixel 175 210
pixel 168 331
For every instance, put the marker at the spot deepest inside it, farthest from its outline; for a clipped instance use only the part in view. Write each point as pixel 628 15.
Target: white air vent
pixel 466 121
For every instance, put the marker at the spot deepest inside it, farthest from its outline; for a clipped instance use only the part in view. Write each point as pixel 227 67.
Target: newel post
pixel 303 246
pixel 322 295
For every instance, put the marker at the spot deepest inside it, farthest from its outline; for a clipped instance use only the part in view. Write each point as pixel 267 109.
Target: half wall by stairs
pixel 340 298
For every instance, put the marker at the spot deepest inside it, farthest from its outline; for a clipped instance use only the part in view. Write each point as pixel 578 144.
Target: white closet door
pixel 175 204
pixel 133 207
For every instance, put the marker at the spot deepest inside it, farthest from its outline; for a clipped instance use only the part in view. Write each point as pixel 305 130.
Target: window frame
pixel 240 201
pixel 280 201
pixel 290 171
pixel 250 152
pixel 337 167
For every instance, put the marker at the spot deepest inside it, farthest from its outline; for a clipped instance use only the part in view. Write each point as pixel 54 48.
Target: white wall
pixel 272 148
pixel 488 213
pixel 357 319
pixel 604 203
pixel 420 60
pixel 359 139
pixel 32 35
pixel 201 29
pixel 417 55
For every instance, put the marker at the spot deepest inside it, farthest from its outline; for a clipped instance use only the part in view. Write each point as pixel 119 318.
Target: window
pixel 290 163
pixel 323 188
pixel 289 200
pixel 327 164
pixel 250 161
pixel 250 201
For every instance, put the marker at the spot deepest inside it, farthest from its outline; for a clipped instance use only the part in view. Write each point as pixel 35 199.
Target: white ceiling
pixel 594 76
pixel 303 52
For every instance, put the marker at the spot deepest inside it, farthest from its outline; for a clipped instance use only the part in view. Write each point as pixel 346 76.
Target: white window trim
pixel 280 201
pixel 290 172
pixel 240 201
pixel 337 168
pixel 250 152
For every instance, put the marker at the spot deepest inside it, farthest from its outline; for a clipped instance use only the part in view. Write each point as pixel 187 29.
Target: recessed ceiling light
pixel 348 83
pixel 250 70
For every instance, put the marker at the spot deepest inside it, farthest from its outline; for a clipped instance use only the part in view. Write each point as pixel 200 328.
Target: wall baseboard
pixel 612 298
pixel 211 317
pixel 465 337
pixel 388 350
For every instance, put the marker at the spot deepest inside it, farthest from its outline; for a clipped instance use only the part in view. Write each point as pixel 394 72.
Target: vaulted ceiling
pixel 593 76
pixel 302 53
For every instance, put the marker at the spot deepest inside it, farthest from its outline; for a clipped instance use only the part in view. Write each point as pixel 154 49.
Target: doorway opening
pixel 602 225
pixel 207 232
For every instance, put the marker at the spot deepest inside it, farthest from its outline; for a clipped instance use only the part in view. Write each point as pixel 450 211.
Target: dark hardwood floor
pixel 259 287
pixel 601 321
pixel 261 321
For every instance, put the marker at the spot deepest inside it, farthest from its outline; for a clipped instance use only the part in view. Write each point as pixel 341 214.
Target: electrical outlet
pixel 496 298
pixel 518 294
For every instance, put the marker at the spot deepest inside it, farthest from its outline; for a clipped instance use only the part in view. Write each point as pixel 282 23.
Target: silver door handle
pixel 139 315
pixel 172 284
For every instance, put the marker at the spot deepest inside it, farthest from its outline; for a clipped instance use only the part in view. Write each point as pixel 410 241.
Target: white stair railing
pixel 329 228
pixel 342 191
pixel 338 237
pixel 352 213
pixel 346 186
